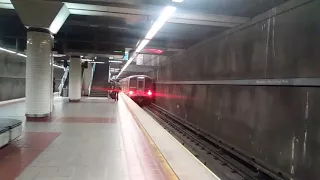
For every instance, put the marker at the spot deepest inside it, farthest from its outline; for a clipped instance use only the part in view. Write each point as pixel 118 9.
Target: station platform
pixel 95 139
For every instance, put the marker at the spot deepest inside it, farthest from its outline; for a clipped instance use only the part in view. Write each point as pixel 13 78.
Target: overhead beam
pixel 147 14
pixel 180 17
pixel 201 23
pixel 6 4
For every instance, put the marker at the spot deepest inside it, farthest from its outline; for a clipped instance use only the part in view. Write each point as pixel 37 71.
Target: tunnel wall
pixel 278 126
pixel 12 76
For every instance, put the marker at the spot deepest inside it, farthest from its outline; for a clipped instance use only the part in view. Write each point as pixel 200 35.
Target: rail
pixel 210 152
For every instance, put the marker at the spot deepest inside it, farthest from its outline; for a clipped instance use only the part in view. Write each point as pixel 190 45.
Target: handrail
pixel 63 80
pixel 93 69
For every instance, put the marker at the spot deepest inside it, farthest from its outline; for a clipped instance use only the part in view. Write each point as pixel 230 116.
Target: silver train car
pixel 139 88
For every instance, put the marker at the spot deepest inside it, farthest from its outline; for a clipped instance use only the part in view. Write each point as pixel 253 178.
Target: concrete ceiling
pixel 103 26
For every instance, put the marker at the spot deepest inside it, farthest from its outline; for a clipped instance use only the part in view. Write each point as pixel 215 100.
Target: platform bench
pixel 14 127
pixel 4 136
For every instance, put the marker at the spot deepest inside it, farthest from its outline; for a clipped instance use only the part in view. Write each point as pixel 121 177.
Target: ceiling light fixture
pixel 58 55
pixel 142 45
pixel 115 61
pixel 177 1
pixel 23 55
pixel 7 50
pixel 88 60
pixel 58 66
pixel 165 15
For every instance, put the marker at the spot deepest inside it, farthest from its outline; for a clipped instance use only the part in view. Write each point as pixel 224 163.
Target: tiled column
pixel 38 74
pixel 75 79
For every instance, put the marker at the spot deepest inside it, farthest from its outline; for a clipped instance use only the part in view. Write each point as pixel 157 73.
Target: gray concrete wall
pixel 58 74
pixel 278 126
pixel 12 76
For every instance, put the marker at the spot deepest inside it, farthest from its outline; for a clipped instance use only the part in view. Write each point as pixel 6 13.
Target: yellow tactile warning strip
pixel 163 162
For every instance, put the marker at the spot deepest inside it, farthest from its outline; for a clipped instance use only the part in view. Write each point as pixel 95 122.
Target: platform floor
pixel 95 139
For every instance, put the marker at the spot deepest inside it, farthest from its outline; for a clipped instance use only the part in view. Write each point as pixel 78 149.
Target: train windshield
pixel 148 84
pixel 133 84
pixel 140 85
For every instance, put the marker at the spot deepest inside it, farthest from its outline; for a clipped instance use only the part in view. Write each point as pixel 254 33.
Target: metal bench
pixel 4 136
pixel 14 127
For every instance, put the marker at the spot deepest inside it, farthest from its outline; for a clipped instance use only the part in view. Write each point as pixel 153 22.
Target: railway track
pixel 218 159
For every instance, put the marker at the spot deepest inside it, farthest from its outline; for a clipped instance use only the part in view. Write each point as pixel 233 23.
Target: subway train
pixel 139 88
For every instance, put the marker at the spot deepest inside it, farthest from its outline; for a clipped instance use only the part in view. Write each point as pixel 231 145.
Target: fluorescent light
pixel 110 57
pixel 165 15
pixel 7 50
pixel 114 69
pixel 58 55
pixel 98 62
pixel 23 55
pixel 89 60
pixel 138 43
pixel 177 1
pixel 115 61
pixel 125 66
pixel 142 45
pixel 58 66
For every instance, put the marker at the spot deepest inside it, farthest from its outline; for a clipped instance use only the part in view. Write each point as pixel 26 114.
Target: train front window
pixel 148 84
pixel 133 84
pixel 140 85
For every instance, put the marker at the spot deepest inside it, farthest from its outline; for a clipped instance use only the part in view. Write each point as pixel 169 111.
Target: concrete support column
pixel 75 79
pixel 38 74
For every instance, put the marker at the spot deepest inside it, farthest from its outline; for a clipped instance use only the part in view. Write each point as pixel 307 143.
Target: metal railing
pixel 63 80
pixel 93 69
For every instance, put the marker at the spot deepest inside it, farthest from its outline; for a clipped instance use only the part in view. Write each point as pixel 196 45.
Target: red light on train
pixel 130 92
pixel 149 93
